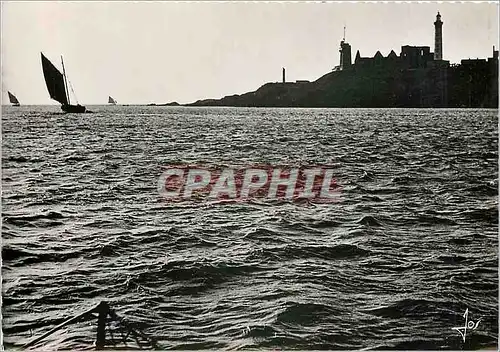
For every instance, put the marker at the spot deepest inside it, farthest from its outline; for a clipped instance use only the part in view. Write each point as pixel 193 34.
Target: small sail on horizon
pixel 13 100
pixel 111 101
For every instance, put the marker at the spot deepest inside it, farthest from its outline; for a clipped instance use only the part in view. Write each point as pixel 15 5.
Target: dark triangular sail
pixel 55 81
pixel 12 98
pixel 111 100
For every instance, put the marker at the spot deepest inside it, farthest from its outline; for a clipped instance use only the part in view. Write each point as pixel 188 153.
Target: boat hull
pixel 73 108
pixel 16 104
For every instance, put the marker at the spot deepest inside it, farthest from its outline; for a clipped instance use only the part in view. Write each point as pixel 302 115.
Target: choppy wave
pixel 394 265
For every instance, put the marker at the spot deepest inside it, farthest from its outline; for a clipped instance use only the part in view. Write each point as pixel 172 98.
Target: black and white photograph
pixel 252 176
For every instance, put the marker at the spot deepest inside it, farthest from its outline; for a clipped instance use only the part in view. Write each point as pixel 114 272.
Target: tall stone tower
pixel 345 53
pixel 438 38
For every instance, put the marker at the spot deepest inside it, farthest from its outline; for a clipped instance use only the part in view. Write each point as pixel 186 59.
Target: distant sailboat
pixel 13 100
pixel 58 87
pixel 111 101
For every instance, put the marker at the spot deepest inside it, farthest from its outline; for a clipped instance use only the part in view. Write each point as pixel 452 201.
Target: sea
pixel 406 259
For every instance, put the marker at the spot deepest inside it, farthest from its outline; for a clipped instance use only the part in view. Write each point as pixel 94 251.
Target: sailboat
pixel 111 101
pixel 58 87
pixel 13 100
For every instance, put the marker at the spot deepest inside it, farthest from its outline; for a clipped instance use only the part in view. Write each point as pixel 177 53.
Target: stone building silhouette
pixel 345 55
pixel 410 56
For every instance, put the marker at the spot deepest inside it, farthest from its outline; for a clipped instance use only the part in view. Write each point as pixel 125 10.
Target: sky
pixel 145 52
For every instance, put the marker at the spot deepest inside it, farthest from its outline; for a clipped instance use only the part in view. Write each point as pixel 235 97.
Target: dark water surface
pixel 395 264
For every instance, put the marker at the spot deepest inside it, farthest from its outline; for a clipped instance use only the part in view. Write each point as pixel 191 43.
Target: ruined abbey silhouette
pixel 410 56
pixel 429 80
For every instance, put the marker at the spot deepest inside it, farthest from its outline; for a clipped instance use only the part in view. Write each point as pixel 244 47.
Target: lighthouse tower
pixel 438 38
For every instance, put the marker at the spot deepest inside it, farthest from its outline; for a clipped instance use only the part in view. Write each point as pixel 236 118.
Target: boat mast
pixel 65 82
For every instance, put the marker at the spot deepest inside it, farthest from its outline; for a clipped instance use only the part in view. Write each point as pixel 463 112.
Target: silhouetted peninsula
pixel 415 78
